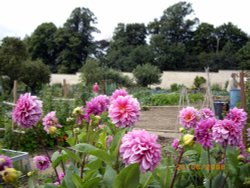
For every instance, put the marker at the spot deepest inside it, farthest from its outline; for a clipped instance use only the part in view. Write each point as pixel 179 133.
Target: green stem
pixel 209 167
pixel 176 167
pixel 45 151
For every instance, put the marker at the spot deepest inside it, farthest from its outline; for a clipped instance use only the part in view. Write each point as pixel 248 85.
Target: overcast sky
pixel 21 17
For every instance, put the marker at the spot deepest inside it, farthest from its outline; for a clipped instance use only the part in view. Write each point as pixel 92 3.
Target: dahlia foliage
pixel 104 148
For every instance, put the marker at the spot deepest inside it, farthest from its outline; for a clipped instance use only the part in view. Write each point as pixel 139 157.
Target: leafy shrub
pixel 216 87
pixel 198 81
pixel 175 87
pixel 147 74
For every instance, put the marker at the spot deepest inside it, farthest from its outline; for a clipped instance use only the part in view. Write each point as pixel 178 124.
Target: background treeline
pixel 175 41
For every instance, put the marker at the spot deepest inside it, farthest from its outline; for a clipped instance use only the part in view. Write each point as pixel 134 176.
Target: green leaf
pixel 92 150
pixel 128 177
pixel 115 145
pixel 77 181
pixel 109 176
pixel 56 158
pixel 72 155
pixel 190 152
pixel 95 182
pixel 146 179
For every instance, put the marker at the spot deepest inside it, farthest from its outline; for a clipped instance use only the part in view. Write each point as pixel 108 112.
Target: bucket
pixel 234 97
pixel 218 109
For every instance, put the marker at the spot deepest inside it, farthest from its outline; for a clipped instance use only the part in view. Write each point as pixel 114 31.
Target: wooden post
pixel 65 89
pixel 14 99
pixel 242 91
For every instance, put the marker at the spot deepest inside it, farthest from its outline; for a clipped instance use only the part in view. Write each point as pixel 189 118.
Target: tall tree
pixel 170 35
pixel 128 47
pixel 75 40
pixel 243 56
pixel 41 45
pixel 13 53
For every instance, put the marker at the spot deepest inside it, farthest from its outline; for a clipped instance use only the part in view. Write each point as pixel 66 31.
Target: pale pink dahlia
pixel 117 93
pixel 226 132
pixel 175 143
pixel 188 117
pixel 139 146
pixel 41 162
pixel 95 88
pixel 124 111
pixel 203 132
pixel 27 111
pixel 238 116
pixel 5 162
pixel 96 106
pixel 50 120
pixel 60 178
pixel 206 113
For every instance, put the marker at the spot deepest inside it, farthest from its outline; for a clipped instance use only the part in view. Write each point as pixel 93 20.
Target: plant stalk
pixel 176 168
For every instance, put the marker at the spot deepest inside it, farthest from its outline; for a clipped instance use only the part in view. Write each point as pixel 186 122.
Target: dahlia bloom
pixel 238 116
pixel 27 111
pixel 60 178
pixel 175 143
pixel 226 132
pixel 124 111
pixel 95 88
pixel 206 113
pixel 117 93
pixel 5 162
pixel 188 117
pixel 50 121
pixel 96 106
pixel 10 175
pixel 139 146
pixel 41 162
pixel 203 132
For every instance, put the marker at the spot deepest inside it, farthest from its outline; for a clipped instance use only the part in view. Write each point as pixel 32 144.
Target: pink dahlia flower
pixel 27 111
pixel 238 116
pixel 95 88
pixel 50 120
pixel 226 132
pixel 41 162
pixel 188 117
pixel 5 162
pixel 117 93
pixel 139 146
pixel 175 143
pixel 203 132
pixel 124 111
pixel 60 178
pixel 206 113
pixel 96 106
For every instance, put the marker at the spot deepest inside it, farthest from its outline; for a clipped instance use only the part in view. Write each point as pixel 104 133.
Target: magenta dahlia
pixel 226 132
pixel 188 117
pixel 175 143
pixel 95 88
pixel 203 132
pixel 124 111
pixel 50 120
pixel 96 106
pixel 238 116
pixel 206 113
pixel 117 93
pixel 5 162
pixel 60 178
pixel 27 111
pixel 140 146
pixel 41 162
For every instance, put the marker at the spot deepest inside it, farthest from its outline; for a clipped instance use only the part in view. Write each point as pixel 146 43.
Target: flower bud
pixel 96 120
pixel 10 175
pixel 188 139
pixel 248 150
pixel 181 129
pixel 77 111
pixel 240 157
pixel 52 129
pixel 76 130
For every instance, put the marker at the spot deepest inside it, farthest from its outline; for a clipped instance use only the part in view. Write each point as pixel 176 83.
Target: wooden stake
pixel 242 91
pixel 65 89
pixel 14 100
